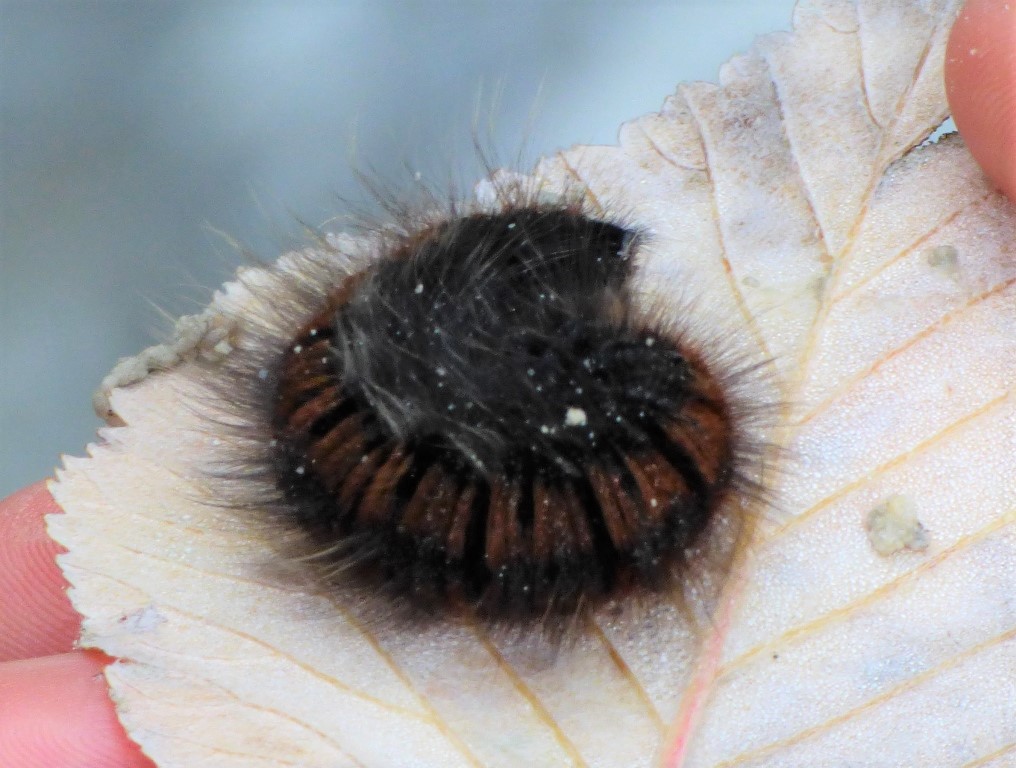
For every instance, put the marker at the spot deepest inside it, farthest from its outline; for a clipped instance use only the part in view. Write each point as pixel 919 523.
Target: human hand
pixel 55 710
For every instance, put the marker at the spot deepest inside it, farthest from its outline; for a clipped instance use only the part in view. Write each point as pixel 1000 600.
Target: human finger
pixel 980 73
pixel 56 713
pixel 36 618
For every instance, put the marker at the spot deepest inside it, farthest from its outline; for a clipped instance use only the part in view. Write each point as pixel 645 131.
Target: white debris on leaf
pixel 791 198
pixel 142 621
pixel 893 526
pixel 945 258
pixel 208 335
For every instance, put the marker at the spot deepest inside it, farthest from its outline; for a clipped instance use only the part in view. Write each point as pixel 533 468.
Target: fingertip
pixel 56 713
pixel 36 617
pixel 980 75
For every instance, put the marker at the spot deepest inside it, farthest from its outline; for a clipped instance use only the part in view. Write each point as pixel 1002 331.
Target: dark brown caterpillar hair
pixel 480 420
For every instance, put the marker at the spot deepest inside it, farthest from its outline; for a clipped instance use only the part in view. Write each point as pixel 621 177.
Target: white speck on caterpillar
pixel 575 417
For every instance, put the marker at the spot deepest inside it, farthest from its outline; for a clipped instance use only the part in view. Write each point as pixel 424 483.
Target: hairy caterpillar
pixel 472 411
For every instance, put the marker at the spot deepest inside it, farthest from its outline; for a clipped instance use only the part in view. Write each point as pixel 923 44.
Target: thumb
pixel 980 77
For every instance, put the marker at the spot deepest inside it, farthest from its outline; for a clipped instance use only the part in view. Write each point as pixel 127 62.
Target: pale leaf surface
pixel 789 206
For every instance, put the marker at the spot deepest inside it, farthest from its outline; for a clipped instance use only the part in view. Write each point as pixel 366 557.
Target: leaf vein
pixel 844 717
pixel 931 329
pixel 847 610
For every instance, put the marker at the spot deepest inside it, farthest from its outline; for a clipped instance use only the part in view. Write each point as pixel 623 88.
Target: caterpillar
pixel 471 411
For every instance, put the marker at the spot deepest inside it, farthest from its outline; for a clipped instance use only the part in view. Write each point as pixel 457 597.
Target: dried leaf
pixel 881 279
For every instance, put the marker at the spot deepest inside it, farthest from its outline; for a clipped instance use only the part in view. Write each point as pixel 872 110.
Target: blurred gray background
pixel 130 132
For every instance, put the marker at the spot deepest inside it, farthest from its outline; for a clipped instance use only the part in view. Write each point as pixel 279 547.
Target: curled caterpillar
pixel 479 416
